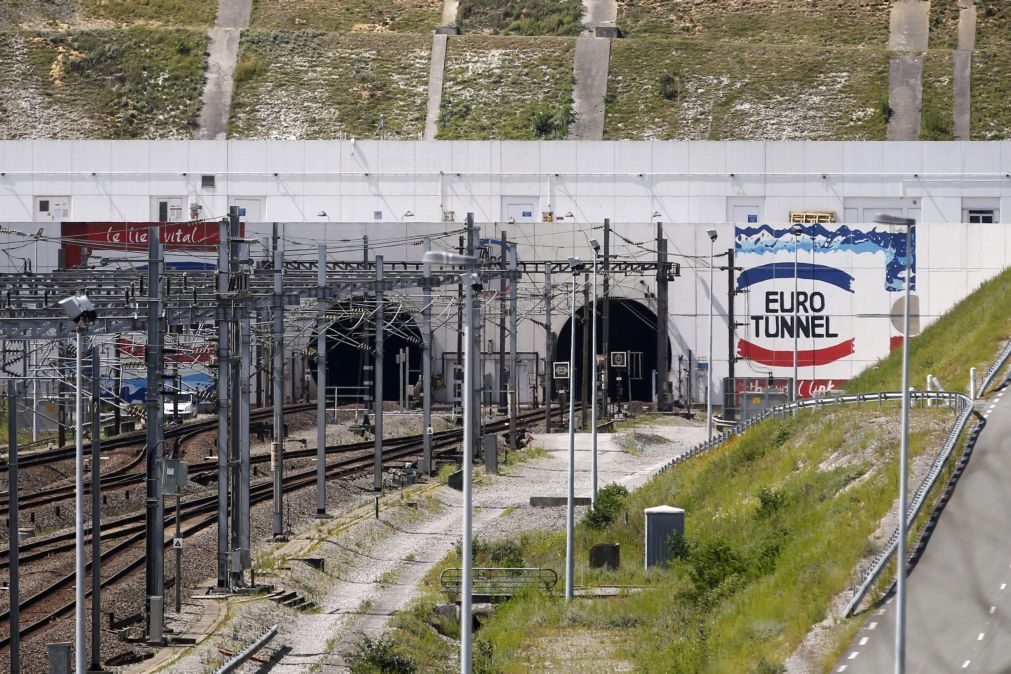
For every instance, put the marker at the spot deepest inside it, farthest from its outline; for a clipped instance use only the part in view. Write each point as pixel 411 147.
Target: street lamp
pixel 471 282
pixel 576 265
pixel 81 311
pixel 709 367
pixel 900 553
pixel 796 230
pixel 595 245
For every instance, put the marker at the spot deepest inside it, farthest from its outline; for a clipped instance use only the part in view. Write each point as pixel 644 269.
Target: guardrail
pixel 998 364
pixel 963 405
pixel 247 652
pixel 499 583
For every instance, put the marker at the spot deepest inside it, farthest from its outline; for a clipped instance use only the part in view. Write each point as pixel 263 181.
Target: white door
pixel 746 214
pixel 250 208
pixel 168 209
pixel 520 210
pixel 52 209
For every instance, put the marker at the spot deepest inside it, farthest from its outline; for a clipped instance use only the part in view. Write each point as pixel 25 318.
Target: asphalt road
pixel 958 612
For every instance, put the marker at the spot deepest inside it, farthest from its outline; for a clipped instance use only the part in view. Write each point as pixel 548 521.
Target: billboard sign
pixel 198 235
pixel 828 289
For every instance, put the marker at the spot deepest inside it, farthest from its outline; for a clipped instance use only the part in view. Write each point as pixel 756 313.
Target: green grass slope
pixel 507 88
pixel 661 89
pixel 969 335
pixel 308 84
pixel 397 16
pixel 120 84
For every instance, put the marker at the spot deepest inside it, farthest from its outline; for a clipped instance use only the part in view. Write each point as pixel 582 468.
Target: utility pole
pixel 549 366
pixel 96 512
pixel 503 395
pixel 277 385
pixel 729 395
pixel 426 364
pixel 236 577
pixel 321 362
pixel 245 358
pixel 458 371
pixel 605 332
pixel 662 365
pixel 14 614
pixel 155 516
pixel 377 475
pixel 224 368
pixel 585 379
pixel 514 403
pixel 473 239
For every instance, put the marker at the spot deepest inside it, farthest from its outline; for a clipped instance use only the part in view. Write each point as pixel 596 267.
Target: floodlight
pixel 79 308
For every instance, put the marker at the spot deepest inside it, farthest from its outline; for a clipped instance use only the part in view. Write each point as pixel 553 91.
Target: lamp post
pixel 711 232
pixel 471 282
pixel 576 265
pixel 796 230
pixel 81 311
pixel 900 553
pixel 593 395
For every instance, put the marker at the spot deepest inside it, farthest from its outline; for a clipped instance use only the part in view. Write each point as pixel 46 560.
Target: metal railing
pixel 998 364
pixel 499 583
pixel 963 406
pixel 249 651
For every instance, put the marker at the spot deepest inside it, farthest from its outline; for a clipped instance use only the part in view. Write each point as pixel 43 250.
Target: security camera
pixel 576 264
pixel 712 233
pixel 595 245
pixel 79 308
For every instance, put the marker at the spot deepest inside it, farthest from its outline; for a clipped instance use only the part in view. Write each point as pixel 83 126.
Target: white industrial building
pixel 552 197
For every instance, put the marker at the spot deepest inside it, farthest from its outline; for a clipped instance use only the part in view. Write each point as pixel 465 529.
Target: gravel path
pixel 372 567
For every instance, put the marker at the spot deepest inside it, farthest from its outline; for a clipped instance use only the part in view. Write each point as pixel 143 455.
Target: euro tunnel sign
pixel 619 359
pixel 560 369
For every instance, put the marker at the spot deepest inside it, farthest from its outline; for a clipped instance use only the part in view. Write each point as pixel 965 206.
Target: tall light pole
pixel 593 395
pixel 900 553
pixel 471 282
pixel 796 230
pixel 81 311
pixel 576 265
pixel 711 232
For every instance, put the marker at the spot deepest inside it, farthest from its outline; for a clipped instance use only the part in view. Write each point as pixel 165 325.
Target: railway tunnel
pixel 351 343
pixel 633 331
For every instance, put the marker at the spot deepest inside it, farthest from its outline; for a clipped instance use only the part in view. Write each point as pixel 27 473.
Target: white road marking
pixel 980 637
pixel 1003 586
pixel 965 665
pixel 872 626
pixel 992 609
pixel 842 668
pixel 863 642
pixel 853 655
pixel 881 611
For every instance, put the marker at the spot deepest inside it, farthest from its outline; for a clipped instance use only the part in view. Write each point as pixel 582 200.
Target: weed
pixel 770 501
pixel 249 67
pixel 378 655
pixel 521 17
pixel 609 502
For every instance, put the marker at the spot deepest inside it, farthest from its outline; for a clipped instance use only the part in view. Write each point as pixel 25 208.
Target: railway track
pixel 199 514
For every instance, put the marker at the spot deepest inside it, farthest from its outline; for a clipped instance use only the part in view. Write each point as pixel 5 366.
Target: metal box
pixel 661 522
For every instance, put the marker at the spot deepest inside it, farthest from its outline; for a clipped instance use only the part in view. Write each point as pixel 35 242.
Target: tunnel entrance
pixel 633 331
pixel 351 343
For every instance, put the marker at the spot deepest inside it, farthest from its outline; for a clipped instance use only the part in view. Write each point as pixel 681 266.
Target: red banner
pixel 130 236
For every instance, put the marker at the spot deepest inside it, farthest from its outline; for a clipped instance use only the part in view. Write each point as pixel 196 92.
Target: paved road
pixel 959 595
pixel 590 66
pixel 962 70
pixel 222 54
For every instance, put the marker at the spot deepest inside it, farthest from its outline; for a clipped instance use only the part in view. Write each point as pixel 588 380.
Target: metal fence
pixel 995 367
pixel 963 406
pixel 249 651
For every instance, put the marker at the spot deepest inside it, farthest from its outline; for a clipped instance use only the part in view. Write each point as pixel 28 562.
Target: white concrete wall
pixel 338 192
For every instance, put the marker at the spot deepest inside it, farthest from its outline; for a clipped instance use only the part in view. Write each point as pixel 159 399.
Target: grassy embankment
pixel 521 17
pixel 140 82
pixel 507 88
pixel 686 89
pixel 397 16
pixel 362 85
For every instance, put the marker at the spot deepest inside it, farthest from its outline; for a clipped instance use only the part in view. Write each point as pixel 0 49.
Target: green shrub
pixel 713 563
pixel 937 126
pixel 609 503
pixel 504 553
pixel 670 87
pixel 249 67
pixel 770 500
pixel 378 655
pixel 679 546
pixel 521 17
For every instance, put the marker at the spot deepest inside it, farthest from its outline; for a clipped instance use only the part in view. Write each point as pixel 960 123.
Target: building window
pixel 976 216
